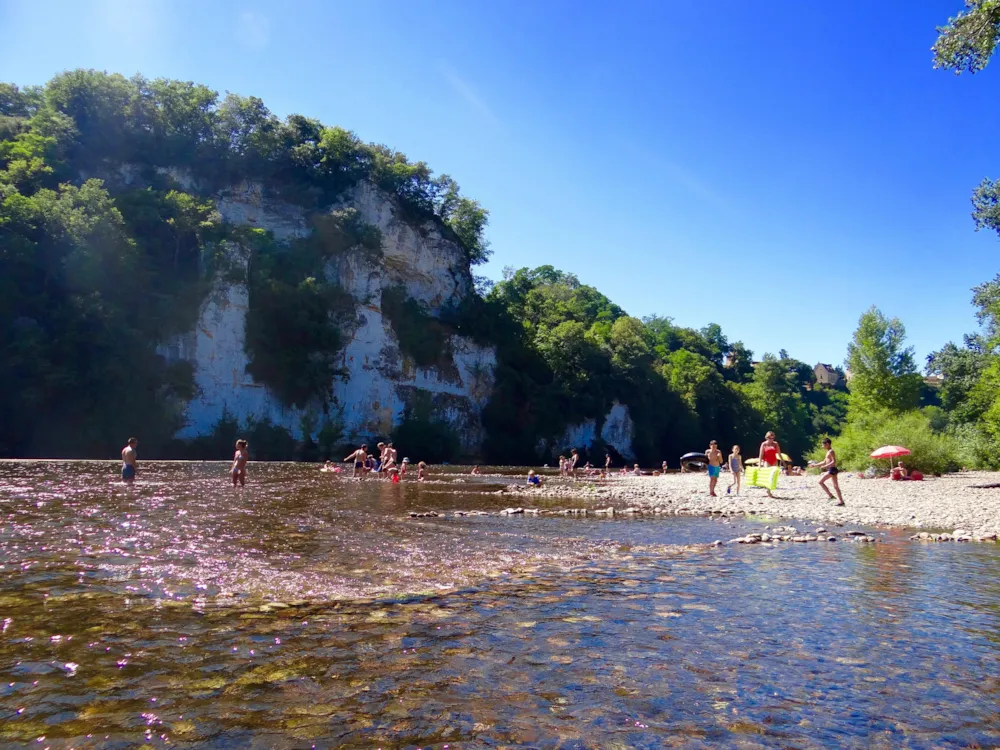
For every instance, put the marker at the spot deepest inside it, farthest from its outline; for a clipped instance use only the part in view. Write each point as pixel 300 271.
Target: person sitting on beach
pixel 239 470
pixel 358 457
pixel 714 456
pixel 829 467
pixel 899 472
pixel 533 479
pixel 636 470
pixel 394 475
pixel 736 467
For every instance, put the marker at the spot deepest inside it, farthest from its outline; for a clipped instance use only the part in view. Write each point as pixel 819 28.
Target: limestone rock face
pixel 379 381
pixel 616 431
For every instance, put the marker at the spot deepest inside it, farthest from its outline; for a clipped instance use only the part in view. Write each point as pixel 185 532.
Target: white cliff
pixel 616 432
pixel 380 382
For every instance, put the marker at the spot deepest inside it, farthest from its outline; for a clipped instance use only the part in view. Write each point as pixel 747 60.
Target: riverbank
pixel 950 502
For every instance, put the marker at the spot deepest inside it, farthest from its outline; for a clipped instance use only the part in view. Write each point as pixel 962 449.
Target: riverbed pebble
pixel 955 501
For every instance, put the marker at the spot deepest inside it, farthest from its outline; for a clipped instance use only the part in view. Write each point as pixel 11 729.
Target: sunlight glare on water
pixel 308 608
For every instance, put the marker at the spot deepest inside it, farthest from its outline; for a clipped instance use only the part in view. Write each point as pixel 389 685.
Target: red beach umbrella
pixel 890 452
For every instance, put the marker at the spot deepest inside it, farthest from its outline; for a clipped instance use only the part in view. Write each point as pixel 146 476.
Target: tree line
pixel 96 273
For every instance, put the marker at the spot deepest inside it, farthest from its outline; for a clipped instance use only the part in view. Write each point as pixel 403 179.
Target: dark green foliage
pixel 423 338
pixel 566 353
pixel 420 433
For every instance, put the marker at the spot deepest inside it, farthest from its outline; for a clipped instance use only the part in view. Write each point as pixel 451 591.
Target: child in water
pixel 239 470
pixel 421 471
pixel 533 479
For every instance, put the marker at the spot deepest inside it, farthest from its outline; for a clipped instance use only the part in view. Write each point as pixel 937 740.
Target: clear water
pixel 308 609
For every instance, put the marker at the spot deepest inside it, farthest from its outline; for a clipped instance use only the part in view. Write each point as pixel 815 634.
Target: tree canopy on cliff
pixel 104 255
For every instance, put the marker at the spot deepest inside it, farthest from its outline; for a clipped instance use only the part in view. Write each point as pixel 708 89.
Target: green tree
pixel 740 363
pixel 775 396
pixel 883 373
pixel 968 40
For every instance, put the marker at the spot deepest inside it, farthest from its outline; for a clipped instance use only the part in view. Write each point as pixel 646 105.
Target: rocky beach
pixel 963 502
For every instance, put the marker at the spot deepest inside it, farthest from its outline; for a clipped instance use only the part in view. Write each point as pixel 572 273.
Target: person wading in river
pixel 830 471
pixel 714 456
pixel 770 453
pixel 239 470
pixel 129 466
pixel 359 457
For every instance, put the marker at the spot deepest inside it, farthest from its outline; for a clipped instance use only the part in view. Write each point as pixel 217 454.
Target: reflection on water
pixel 307 609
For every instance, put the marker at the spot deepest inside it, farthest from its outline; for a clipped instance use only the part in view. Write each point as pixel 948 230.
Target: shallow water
pixel 308 609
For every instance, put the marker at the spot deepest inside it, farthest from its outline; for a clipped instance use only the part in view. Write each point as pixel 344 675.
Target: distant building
pixel 934 381
pixel 826 375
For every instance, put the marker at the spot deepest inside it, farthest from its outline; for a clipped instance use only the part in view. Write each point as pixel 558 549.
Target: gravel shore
pixel 950 502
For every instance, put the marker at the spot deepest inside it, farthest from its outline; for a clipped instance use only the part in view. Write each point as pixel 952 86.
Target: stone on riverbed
pixel 511 511
pixel 428 514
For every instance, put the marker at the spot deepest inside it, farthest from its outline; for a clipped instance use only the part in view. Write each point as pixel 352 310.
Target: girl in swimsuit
pixel 830 471
pixel 735 466
pixel 769 453
pixel 239 470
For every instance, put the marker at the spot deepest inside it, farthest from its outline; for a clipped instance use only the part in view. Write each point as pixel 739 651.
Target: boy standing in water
pixel 128 461
pixel 830 471
pixel 714 456
pixel 735 466
pixel 239 470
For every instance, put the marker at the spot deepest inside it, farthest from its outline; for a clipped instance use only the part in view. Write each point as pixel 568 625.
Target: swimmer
pixel 129 467
pixel 239 470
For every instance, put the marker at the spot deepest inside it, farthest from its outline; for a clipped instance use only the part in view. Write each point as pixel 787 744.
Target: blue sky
pixel 775 167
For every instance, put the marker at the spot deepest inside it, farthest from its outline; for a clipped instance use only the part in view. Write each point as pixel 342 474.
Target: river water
pixel 309 610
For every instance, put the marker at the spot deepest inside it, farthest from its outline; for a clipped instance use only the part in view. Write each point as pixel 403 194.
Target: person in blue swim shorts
pixel 714 456
pixel 128 461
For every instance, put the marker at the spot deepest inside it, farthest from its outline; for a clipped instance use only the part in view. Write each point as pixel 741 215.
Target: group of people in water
pixel 769 457
pixel 387 465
